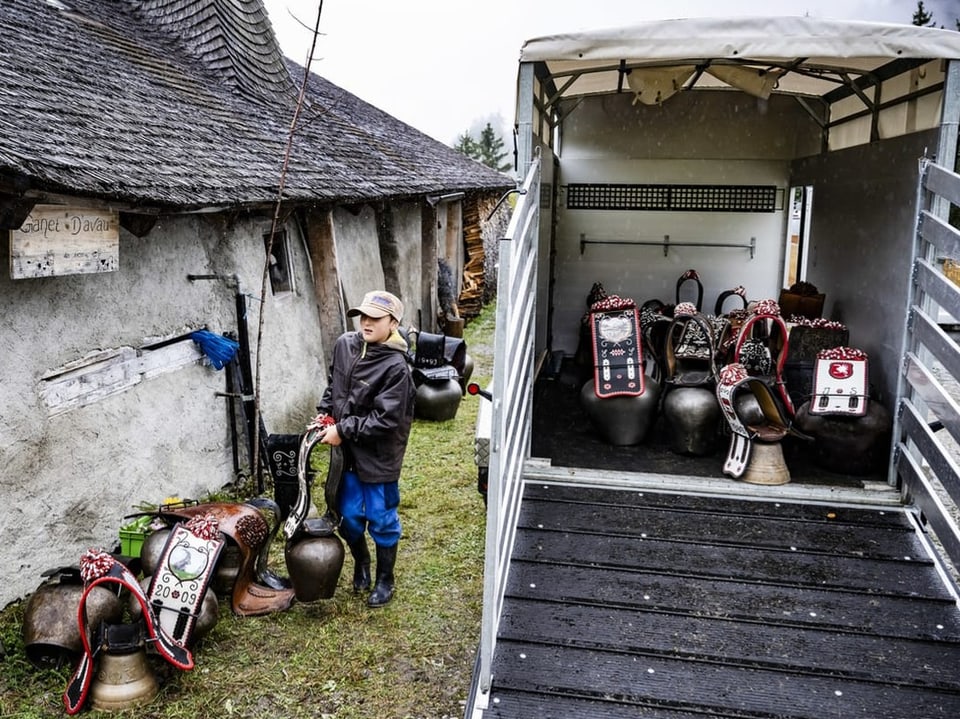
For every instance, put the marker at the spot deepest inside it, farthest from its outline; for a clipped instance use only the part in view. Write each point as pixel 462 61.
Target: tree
pixel 466 145
pixel 921 17
pixel 487 150
pixel 491 145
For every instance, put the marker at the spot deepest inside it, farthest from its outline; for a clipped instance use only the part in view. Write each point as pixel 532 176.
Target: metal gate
pixel 512 391
pixel 927 420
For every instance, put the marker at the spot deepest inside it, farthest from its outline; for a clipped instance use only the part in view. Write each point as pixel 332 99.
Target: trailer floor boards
pixel 624 603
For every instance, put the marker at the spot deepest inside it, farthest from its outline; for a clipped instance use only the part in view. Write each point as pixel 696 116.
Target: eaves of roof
pixel 187 104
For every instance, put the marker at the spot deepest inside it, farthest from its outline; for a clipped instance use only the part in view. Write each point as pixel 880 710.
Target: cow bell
pixel 152 550
pixel 314 565
pixel 693 415
pixel 123 678
pixel 50 632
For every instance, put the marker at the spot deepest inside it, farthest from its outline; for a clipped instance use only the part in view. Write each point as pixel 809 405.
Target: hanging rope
pixel 255 469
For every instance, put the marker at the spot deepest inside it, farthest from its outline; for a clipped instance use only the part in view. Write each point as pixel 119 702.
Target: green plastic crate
pixel 131 541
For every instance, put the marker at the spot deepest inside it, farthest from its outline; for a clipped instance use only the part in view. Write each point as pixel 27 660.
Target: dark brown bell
pixel 625 419
pixel 227 570
pixel 438 400
pixel 152 550
pixel 748 409
pixel 314 565
pixel 51 635
pixel 123 681
pixel 849 445
pixel 694 416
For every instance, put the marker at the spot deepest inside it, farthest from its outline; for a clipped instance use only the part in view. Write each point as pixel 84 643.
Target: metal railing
pixel 927 421
pixel 513 377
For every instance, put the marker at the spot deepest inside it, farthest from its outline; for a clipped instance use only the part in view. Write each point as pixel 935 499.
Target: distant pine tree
pixel 488 150
pixel 466 145
pixel 921 17
pixel 491 145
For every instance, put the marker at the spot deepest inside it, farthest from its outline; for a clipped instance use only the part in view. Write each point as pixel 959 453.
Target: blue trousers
pixel 369 507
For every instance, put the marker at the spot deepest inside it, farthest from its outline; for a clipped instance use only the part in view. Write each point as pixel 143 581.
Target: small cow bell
pixel 767 465
pixel 123 681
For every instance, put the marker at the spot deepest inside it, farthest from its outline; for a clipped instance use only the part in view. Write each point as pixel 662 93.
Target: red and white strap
pixel 97 568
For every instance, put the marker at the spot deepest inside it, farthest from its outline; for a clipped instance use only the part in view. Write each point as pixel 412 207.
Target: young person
pixel 369 396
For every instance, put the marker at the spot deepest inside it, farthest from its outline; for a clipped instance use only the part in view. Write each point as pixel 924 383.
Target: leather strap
pixel 298 513
pixel 732 380
pixel 178 585
pixel 75 695
pixel 670 359
pixel 252 525
pixel 617 352
pixel 718 307
pixel 691 276
pixel 777 377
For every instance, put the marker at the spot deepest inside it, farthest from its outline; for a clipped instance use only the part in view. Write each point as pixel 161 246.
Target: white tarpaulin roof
pixel 808 56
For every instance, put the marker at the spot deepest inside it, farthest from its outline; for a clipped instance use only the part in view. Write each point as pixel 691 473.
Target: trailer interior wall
pixel 700 138
pixel 862 230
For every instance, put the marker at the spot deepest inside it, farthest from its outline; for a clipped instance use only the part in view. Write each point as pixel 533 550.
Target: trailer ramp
pixel 631 602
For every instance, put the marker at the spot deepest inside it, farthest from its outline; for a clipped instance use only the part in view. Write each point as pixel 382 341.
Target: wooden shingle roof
pixel 187 104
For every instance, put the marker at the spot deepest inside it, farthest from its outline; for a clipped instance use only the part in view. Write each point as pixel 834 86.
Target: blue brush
pixel 218 349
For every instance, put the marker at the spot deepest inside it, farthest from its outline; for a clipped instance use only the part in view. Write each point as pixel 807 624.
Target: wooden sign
pixel 61 240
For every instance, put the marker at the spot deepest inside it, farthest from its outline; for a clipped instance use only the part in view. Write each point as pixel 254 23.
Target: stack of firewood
pixel 470 301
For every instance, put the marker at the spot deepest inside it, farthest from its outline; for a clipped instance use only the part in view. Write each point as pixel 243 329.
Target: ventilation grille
pixel 689 198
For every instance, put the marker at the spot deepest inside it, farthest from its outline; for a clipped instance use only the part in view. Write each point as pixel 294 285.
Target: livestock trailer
pixel 785 159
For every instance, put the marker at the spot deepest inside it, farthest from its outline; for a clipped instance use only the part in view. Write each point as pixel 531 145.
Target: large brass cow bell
pixel 123 679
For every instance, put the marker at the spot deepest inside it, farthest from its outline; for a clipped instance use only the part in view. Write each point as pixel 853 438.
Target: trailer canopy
pixel 841 70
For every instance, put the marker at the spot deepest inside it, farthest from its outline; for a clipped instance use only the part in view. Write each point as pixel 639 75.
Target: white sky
pixel 448 66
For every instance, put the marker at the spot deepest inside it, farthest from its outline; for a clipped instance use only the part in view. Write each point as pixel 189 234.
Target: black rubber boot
pixel 383 589
pixel 361 565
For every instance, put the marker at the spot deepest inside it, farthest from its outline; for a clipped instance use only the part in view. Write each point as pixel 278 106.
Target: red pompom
pixel 205 526
pixel 95 563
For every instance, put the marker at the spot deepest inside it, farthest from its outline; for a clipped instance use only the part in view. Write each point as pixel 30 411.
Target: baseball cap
pixel 378 303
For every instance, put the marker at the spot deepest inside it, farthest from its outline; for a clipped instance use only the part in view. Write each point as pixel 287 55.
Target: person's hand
pixel 320 421
pixel 331 436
